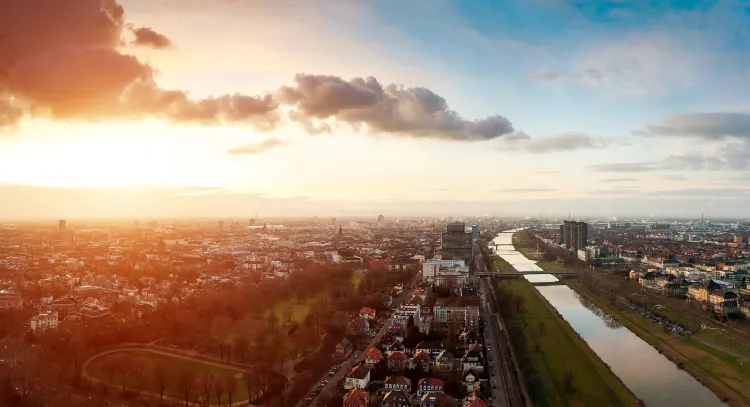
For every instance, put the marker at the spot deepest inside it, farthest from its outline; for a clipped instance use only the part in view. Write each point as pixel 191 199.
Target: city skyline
pixel 601 108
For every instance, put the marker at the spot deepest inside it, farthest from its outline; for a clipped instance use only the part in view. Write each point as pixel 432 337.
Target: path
pixel 737 355
pixel 148 393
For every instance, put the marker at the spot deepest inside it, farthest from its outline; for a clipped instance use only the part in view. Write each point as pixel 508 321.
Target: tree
pixel 568 380
pixel 161 377
pixel 207 383
pixel 218 389
pixel 247 380
pixel 240 347
pixel 287 315
pixel 231 386
pixel 185 384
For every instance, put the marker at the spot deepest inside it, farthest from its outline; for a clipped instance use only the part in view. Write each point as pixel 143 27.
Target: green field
pixel 555 352
pixel 355 279
pixel 723 373
pixel 301 309
pixel 503 266
pixel 551 266
pixel 98 368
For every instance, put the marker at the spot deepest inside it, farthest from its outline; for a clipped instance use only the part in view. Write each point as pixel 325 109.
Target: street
pixel 349 363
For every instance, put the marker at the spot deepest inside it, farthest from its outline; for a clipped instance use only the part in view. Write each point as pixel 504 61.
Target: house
pixel 344 348
pixel 397 383
pixel 437 400
pixel 359 326
pixel 421 361
pixel 724 302
pixel 10 299
pixel 396 398
pixel 397 361
pixel 367 313
pixel 430 385
pixel 470 380
pixel 395 346
pixel 358 378
pixel 472 360
pixel 356 398
pixel 373 356
pixel 473 401
pixel 44 321
pixel 648 279
pixel 444 361
pixel 676 288
pixel 432 348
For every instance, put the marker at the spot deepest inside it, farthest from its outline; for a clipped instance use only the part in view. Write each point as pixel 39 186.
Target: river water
pixel 648 374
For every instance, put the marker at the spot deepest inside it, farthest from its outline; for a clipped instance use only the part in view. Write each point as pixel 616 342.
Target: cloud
pixel 10 114
pixel 76 69
pixel 709 126
pixel 721 192
pixel 562 142
pixel 257 148
pixel 618 180
pixel 546 171
pixel 145 36
pixel 73 69
pixel 390 109
pixel 522 190
pixel 673 177
pixel 624 167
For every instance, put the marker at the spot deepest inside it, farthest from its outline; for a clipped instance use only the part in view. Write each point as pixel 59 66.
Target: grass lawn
pixel 725 374
pixel 503 266
pixel 175 365
pixel 355 279
pixel 551 266
pixel 561 350
pixel 301 309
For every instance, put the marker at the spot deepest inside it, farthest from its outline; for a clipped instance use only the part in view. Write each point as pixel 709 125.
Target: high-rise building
pixel 381 218
pixel 455 241
pixel 573 234
pixel 61 224
pixel 475 231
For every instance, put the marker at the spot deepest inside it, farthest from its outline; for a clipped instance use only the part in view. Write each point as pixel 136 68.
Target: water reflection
pixel 648 374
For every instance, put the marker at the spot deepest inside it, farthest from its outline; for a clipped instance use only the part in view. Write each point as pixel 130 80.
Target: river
pixel 648 374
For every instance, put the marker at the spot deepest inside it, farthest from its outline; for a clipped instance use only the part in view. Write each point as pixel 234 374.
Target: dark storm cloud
pixel 390 109
pixel 145 36
pixel 257 148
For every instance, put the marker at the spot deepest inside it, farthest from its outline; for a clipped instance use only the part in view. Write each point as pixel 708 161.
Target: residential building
pixel 396 398
pixel 573 234
pixel 397 383
pixel 461 311
pixel 373 356
pixel 44 321
pixel 473 401
pixel 367 313
pixel 430 385
pixel 472 360
pixel 456 242
pixel 358 378
pixel 437 400
pixel 344 348
pixel 356 398
pixel 10 299
pixel 397 361
pixel 359 326
pixel 444 361
pixel 470 380
pixel 421 361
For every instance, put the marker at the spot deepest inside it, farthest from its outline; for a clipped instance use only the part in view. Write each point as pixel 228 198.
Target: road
pixel 508 392
pixel 349 363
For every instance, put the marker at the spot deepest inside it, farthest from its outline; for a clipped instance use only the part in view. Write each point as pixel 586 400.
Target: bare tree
pixel 231 386
pixel 161 377
pixel 185 383
pixel 240 348
pixel 263 378
pixel 207 383
pixel 287 315
pixel 218 389
pixel 248 380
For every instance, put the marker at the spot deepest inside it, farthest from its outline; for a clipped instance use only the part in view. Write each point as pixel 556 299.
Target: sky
pixel 161 108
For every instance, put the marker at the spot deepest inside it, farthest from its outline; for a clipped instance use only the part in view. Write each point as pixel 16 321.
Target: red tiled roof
pixel 374 353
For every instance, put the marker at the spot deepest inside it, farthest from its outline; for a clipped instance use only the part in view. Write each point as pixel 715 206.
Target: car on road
pixel 331 373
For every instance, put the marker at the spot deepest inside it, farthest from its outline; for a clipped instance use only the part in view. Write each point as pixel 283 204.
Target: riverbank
pixel 725 375
pixel 559 366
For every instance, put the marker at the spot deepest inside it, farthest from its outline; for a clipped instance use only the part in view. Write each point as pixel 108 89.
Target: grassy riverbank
pixel 559 367
pixel 726 375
